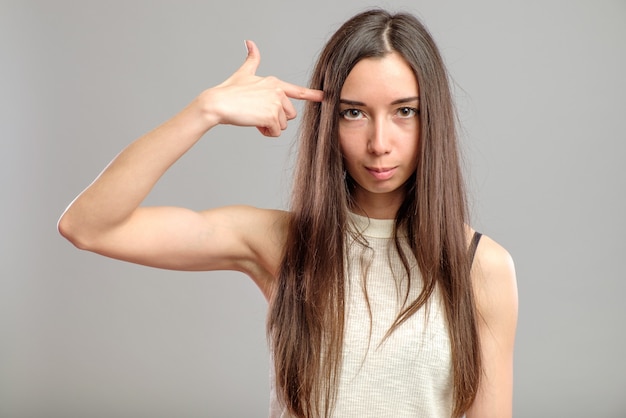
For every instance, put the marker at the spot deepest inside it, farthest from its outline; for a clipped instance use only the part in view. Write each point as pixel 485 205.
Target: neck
pixel 376 206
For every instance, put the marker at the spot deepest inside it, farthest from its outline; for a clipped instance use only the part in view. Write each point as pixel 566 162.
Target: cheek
pixel 347 144
pixel 411 139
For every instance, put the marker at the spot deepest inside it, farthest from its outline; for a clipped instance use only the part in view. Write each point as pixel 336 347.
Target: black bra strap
pixel 474 245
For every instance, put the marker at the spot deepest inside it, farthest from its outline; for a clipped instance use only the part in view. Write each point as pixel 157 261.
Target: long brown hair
pixel 306 317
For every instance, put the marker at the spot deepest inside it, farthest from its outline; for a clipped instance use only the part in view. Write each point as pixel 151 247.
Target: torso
pixel 407 374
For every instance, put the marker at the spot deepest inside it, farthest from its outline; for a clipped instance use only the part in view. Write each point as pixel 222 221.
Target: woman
pixel 382 301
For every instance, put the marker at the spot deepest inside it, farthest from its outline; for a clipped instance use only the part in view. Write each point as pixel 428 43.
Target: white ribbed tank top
pixel 407 375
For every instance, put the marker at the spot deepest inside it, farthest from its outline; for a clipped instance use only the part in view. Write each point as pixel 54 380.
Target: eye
pixel 351 114
pixel 407 112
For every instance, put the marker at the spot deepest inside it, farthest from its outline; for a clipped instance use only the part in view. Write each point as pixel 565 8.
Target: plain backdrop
pixel 541 96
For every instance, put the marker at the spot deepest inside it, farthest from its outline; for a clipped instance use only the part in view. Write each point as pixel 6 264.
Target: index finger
pixel 302 93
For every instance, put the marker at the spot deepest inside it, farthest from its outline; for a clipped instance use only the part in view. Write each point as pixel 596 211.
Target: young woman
pixel 382 300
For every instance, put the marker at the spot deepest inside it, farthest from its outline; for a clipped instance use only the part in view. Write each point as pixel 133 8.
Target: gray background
pixel 541 95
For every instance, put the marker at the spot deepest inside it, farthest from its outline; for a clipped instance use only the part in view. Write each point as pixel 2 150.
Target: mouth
pixel 381 173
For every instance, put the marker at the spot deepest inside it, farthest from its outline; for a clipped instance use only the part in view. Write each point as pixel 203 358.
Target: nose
pixel 379 142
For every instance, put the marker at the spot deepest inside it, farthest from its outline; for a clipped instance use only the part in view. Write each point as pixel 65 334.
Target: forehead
pixel 386 77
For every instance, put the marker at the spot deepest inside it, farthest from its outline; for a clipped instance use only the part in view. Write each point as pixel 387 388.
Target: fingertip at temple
pixel 303 93
pixel 313 95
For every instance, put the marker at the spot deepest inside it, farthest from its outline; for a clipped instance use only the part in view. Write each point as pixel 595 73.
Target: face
pixel 379 129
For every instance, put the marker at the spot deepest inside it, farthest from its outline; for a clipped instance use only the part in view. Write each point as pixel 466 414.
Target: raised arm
pixel 106 218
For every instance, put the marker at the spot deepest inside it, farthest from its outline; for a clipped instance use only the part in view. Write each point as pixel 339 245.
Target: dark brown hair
pixel 306 317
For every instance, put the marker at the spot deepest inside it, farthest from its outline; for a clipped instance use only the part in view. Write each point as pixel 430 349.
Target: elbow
pixel 71 232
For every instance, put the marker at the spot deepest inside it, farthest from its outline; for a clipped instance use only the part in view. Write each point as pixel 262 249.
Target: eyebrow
pixel 395 102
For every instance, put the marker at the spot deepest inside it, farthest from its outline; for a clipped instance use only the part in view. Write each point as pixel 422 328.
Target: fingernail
pixel 245 43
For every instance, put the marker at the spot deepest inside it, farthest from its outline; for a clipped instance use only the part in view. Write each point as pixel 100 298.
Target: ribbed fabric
pixel 408 374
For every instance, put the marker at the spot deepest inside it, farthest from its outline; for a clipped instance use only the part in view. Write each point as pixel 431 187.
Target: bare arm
pixel 107 218
pixel 495 284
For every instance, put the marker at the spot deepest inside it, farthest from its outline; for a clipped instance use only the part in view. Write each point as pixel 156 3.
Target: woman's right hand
pixel 246 99
pixel 107 217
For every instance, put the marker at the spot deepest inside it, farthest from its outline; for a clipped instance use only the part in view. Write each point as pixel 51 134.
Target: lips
pixel 381 173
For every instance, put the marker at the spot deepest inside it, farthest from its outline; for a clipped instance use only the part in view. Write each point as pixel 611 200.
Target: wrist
pixel 205 106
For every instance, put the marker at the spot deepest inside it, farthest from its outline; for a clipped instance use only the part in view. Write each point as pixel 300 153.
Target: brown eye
pixel 407 112
pixel 352 114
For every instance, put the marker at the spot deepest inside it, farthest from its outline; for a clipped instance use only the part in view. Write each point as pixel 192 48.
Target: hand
pixel 246 99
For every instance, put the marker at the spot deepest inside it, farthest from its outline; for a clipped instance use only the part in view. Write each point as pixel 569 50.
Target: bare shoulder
pixel 495 290
pixel 493 275
pixel 495 282
pixel 262 232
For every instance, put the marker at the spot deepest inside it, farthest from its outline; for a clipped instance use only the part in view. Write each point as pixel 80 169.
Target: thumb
pixel 253 59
